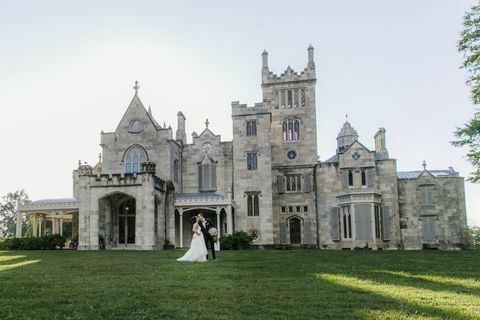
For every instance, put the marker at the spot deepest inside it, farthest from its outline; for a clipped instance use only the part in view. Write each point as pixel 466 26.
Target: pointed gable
pixel 357 155
pixel 136 118
pixel 426 178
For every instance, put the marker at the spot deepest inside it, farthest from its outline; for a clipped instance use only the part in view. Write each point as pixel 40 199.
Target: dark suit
pixel 207 237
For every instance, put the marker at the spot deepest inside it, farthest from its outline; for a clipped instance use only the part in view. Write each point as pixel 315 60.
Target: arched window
pixel 347 222
pixel 134 156
pixel 364 178
pixel 253 205
pixel 291 129
pixel 350 178
pixel 207 175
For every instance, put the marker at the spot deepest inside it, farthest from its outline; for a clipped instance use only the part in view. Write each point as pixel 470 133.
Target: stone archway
pixel 117 221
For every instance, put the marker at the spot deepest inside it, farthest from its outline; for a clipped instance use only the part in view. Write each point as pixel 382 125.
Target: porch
pixel 216 207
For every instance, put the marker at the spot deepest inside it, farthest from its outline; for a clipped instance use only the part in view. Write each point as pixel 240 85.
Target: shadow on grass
pixel 408 301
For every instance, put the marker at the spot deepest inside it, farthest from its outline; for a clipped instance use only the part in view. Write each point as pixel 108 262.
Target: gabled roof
pixel 137 103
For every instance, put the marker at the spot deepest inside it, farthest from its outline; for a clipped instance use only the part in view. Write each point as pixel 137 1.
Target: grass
pixel 240 285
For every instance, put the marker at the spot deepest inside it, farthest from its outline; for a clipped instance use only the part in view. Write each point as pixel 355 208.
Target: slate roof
pixel 415 174
pixel 56 200
pixel 209 196
pixel 334 159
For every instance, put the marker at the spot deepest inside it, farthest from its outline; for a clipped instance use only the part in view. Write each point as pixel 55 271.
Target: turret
pixel 381 144
pixel 265 70
pixel 346 137
pixel 311 63
pixel 180 135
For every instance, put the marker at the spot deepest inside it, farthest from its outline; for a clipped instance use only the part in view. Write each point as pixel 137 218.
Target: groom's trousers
pixel 210 243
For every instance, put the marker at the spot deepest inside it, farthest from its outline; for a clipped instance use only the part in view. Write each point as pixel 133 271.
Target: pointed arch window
pixel 253 204
pixel 207 175
pixel 291 129
pixel 134 156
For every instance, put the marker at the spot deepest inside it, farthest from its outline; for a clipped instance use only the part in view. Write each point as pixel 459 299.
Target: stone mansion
pixel 267 182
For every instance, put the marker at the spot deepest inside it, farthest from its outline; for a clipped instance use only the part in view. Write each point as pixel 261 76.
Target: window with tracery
pixel 134 157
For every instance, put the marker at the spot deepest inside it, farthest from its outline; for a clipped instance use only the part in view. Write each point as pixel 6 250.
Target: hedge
pixel 238 241
pixel 49 242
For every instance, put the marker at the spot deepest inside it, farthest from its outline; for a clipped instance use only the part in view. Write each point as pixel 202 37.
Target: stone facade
pixel 267 181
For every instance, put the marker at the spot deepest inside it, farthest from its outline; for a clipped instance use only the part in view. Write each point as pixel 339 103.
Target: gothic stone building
pixel 267 181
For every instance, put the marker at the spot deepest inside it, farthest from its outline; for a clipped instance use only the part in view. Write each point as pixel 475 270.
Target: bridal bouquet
pixel 213 232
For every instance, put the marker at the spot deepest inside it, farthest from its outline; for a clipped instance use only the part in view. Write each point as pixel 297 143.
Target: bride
pixel 198 249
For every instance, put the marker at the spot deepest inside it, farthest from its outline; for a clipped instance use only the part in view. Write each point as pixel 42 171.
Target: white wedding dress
pixel 198 250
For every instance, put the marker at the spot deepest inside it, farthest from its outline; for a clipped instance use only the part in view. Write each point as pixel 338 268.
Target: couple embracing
pixel 202 239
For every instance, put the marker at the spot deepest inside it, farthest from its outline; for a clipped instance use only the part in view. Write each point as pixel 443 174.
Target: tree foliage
pixel 469 46
pixel 8 211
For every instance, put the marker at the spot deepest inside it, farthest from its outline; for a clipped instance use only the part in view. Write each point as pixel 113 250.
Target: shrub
pixel 238 241
pixel 49 242
pixel 168 245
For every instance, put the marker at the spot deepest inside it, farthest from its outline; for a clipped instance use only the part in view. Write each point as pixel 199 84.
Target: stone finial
pixel 149 110
pixel 264 59
pixel 136 87
pixel 424 165
pixel 79 163
pixel 207 123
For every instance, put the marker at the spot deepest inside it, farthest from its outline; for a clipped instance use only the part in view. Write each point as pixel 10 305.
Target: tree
pixel 469 46
pixel 8 212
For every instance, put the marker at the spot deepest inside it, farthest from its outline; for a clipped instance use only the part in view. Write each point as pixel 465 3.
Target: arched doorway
pixel 126 222
pixel 295 230
pixel 117 220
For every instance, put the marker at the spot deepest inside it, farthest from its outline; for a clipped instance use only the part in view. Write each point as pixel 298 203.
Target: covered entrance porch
pixel 50 216
pixel 216 207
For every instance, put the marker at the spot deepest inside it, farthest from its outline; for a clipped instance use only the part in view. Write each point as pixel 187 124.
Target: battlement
pixel 126 179
pixel 243 110
pixel 270 78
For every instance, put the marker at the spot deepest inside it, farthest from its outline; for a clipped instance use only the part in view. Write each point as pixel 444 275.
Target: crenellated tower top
pixel 270 78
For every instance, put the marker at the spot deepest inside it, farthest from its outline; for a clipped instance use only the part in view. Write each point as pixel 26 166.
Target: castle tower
pixel 292 100
pixel 293 139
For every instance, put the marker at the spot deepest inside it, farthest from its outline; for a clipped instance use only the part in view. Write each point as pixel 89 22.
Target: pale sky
pixel 68 69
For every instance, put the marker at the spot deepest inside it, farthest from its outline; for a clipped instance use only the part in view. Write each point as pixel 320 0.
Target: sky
pixel 68 67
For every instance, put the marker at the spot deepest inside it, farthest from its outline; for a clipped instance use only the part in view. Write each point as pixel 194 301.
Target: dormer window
pixel 134 156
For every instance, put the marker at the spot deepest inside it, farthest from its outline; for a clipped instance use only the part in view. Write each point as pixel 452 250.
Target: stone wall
pixel 447 213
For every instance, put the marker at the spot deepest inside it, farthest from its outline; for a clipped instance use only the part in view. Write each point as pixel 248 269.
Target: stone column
pixel 108 223
pixel 35 227
pixel 94 227
pixel 218 224
pixel 18 233
pixel 54 223
pixel 61 223
pixel 74 225
pixel 180 213
pixel 229 220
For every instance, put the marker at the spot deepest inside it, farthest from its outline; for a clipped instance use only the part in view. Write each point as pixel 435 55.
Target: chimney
pixel 381 144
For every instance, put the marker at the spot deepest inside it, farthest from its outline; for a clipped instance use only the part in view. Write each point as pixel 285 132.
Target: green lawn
pixel 240 285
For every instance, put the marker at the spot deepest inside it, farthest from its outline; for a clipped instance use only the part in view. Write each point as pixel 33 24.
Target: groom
pixel 205 226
